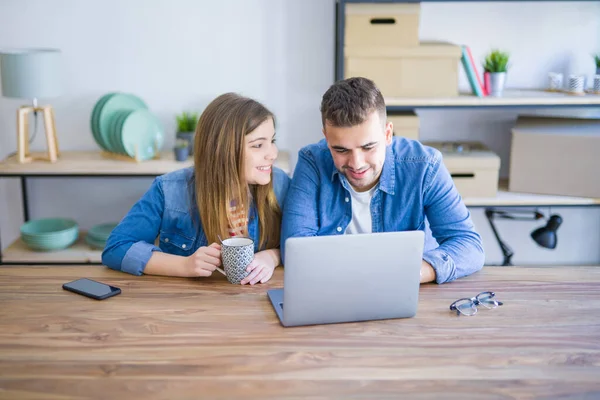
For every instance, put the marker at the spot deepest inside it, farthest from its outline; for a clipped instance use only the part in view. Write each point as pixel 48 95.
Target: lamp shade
pixel 546 236
pixel 31 73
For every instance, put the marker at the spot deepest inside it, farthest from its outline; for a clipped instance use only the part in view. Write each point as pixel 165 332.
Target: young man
pixel 361 179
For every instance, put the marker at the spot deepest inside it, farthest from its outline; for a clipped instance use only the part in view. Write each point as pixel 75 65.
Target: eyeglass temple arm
pixel 454 308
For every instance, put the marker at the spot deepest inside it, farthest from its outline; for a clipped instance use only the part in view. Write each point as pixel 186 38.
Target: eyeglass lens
pixel 486 299
pixel 466 306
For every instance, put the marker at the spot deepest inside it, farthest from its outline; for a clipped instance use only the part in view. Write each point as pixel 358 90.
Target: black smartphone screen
pixel 90 288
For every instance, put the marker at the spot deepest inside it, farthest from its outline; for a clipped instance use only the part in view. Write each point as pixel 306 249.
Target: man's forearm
pixel 427 272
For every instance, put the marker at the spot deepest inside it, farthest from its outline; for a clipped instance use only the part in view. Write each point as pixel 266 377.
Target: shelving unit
pixel 512 98
pixel 82 164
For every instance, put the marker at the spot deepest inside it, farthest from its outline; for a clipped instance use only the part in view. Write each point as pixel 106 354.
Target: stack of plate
pixel 49 234
pixel 98 235
pixel 122 124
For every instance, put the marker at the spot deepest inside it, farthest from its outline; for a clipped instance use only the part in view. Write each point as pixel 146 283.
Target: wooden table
pixel 173 338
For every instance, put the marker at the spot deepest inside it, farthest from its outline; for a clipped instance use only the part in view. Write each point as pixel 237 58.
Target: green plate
pixel 94 120
pixel 115 131
pixel 120 137
pixel 101 231
pixel 94 243
pixel 117 102
pixel 142 130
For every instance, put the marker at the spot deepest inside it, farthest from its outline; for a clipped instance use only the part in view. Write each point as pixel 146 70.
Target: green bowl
pixel 45 227
pixel 52 245
pixel 49 234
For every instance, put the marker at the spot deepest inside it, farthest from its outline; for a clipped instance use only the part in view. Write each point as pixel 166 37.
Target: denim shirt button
pixel 339 228
pixel 347 199
pixel 166 240
pixel 183 246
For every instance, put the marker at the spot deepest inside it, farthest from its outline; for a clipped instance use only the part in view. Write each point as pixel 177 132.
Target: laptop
pixel 349 278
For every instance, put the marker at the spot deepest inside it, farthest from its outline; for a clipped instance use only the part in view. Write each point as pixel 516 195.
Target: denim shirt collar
pixel 387 179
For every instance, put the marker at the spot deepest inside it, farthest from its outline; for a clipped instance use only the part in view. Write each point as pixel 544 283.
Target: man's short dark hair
pixel 350 102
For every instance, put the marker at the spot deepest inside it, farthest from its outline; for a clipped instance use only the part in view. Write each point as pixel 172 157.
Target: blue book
pixel 466 62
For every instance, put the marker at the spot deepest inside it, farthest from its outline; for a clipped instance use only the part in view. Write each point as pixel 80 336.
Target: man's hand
pixel 262 267
pixel 204 261
pixel 427 272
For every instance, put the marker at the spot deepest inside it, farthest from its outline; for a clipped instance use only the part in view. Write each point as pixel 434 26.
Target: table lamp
pixel 544 236
pixel 32 74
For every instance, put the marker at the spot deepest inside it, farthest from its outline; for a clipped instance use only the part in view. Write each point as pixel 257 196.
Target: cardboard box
pixel 382 24
pixel 474 168
pixel 427 70
pixel 406 124
pixel 555 155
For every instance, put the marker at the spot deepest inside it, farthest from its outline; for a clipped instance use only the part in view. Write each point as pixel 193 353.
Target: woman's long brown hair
pixel 219 154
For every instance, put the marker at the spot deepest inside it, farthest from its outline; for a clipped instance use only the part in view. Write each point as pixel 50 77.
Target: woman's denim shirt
pixel 168 211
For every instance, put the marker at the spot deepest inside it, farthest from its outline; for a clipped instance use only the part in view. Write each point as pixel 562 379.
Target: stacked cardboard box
pixel 474 168
pixel 555 155
pixel 406 124
pixel 382 43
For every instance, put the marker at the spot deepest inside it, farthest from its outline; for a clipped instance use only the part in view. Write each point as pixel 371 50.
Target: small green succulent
pixel 186 121
pixel 496 61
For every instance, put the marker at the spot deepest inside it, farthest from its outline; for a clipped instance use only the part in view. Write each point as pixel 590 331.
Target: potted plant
pixel 496 65
pixel 181 149
pixel 597 59
pixel 186 128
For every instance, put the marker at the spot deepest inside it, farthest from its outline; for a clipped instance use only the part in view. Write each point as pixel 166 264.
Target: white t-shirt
pixel 361 211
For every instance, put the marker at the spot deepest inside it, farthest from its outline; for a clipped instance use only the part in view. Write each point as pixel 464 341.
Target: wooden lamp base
pixel 23 154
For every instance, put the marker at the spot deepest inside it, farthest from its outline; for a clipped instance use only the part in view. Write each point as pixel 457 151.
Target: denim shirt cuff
pixel 442 263
pixel 137 257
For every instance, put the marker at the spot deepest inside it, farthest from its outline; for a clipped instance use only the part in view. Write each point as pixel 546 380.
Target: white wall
pixel 179 54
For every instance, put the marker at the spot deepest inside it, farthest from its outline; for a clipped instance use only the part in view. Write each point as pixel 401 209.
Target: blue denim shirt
pixel 168 211
pixel 415 192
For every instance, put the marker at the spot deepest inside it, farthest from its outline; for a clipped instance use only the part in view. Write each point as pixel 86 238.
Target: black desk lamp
pixel 544 236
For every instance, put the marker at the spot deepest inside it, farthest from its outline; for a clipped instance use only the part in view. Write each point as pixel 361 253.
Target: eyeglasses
pixel 468 306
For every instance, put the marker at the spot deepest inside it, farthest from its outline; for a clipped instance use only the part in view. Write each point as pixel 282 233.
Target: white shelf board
pixel 80 251
pixel 511 97
pixel 506 198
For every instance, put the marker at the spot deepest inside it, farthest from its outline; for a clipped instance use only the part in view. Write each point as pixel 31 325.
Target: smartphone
pixel 89 288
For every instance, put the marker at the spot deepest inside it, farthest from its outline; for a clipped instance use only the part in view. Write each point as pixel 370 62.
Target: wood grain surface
pixel 174 338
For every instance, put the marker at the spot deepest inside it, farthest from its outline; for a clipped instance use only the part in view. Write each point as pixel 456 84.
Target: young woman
pixel 233 189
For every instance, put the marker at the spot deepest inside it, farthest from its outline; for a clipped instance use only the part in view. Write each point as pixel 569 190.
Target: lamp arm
pixel 507 252
pixel 514 215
